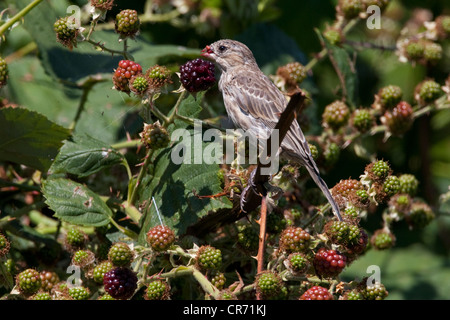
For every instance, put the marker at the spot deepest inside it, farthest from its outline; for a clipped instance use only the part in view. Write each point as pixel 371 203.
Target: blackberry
pixel 331 154
pixel 75 239
pixel 408 184
pixel 401 203
pixel 351 212
pixel 127 23
pixel 427 92
pixel 329 263
pixel 333 35
pixel 335 115
pixel 382 240
pixel 391 185
pixel 66 32
pixel 317 293
pixel 362 120
pixel 155 136
pixel 390 96
pixel 354 250
pixel 275 223
pixel 4 246
pixel 294 239
pixel 378 170
pixel 120 254
pixel 209 258
pixel 106 296
pixel 298 262
pixel 432 52
pixel 360 198
pixel 399 119
pixel 100 270
pixel 3 72
pixel 197 75
pixel 83 258
pixel 376 291
pixel 292 74
pixel 126 69
pixel 158 76
pixel 28 282
pixel 160 238
pixel 48 280
pixel 247 237
pixel 79 293
pixel 353 295
pixel 420 215
pixel 41 296
pixel 268 284
pixel 342 232
pixel 350 9
pixel 218 279
pixel 443 26
pixel 346 187
pixel 157 290
pixel 227 295
pixel 414 50
pixel 120 283
pixel 139 85
pixel 102 4
pixel 314 151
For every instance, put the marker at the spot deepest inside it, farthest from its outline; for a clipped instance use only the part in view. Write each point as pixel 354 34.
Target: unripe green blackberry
pixel 127 23
pixel 378 170
pixel 316 293
pixel 391 185
pixel 102 4
pixel 294 239
pixel 28 282
pixel 292 73
pixel 420 215
pixel 353 295
pixel 155 136
pixel 329 263
pixel 433 52
pixel 218 279
pixel 160 238
pixel 158 77
pixel 336 115
pixel 427 92
pixel 331 154
pixel 4 246
pixel 79 293
pixel 362 120
pixel 351 212
pixel 83 258
pixel 268 284
pixel 354 250
pixel 106 296
pixel 401 203
pixel 314 151
pixel 139 85
pixel 226 295
pixel 360 198
pixel 75 239
pixel 415 50
pixel 408 184
pixel 382 239
pixel 120 254
pixel 100 270
pixel 400 119
pixel 390 96
pixel 157 290
pixel 49 279
pixel 275 223
pixel 41 296
pixel 342 232
pixel 3 72
pixel 298 262
pixel 376 291
pixel 247 237
pixel 66 32
pixel 443 26
pixel 209 258
pixel 333 35
pixel 350 9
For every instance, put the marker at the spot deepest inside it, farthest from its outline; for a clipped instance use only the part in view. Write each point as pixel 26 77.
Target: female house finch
pixel 254 104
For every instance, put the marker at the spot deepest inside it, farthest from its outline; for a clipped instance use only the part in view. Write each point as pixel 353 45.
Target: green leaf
pixel 345 70
pixel 84 156
pixel 75 203
pixel 29 138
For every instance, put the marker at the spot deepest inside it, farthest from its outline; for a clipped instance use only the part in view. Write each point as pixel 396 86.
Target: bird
pixel 254 103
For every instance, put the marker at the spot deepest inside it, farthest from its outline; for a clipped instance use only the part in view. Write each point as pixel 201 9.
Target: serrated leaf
pixel 84 155
pixel 75 203
pixel 29 138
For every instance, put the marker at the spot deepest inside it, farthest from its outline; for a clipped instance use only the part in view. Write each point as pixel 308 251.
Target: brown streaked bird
pixel 254 103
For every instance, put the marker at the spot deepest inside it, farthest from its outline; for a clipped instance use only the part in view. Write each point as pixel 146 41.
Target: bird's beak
pixel 207 52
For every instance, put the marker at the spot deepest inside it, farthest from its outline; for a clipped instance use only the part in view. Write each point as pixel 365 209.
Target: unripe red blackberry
pixel 124 72
pixel 362 120
pixel 3 72
pixel 102 4
pixel 350 9
pixel 28 282
pixel 75 239
pixel 83 258
pixel 420 215
pixel 298 262
pixel 197 75
pixel 155 136
pixel 247 237
pixel 336 115
pixel 427 92
pixel 294 239
pixel 4 246
pixel 346 187
pixel 160 238
pixel 41 296
pixel 157 290
pixel 127 23
pixel 101 269
pixel 79 293
pixel 120 283
pixel 408 184
pixel 329 263
pixel 391 185
pixel 382 239
pixel 317 293
pixel 209 258
pixel 66 32
pixel 48 280
pixel 400 119
pixel 268 284
pixel 120 254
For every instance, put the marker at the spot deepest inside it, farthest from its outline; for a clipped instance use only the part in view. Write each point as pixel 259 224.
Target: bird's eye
pixel 222 48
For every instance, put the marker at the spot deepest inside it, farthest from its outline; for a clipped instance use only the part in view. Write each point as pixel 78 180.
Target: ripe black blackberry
pixel 120 283
pixel 197 75
pixel 160 238
pixel 329 263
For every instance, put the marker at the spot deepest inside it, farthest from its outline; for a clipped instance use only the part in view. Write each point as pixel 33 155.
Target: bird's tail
pixel 315 175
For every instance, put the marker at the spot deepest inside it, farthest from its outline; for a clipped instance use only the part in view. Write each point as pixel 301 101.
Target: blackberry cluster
pixel 160 238
pixel 124 72
pixel 75 239
pixel 292 73
pixel 376 291
pixel 120 283
pixel 83 258
pixel 342 232
pixel 197 75
pixel 329 263
pixel 48 280
pixel 391 185
pixel 102 4
pixel 294 239
pixel 420 215
pixel 218 279
pixel 408 184
pixel 378 170
pixel 139 85
pixel 298 262
pixel 317 293
pixel 350 9
pixel 248 237
pixel 158 76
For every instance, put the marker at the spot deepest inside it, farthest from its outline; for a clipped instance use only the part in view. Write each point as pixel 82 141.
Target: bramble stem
pixel 18 16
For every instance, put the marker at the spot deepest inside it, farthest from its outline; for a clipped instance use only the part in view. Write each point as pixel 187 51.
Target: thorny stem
pixel 104 48
pixel 18 16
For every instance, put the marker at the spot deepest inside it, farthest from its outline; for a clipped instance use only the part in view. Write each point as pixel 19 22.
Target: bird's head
pixel 229 54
